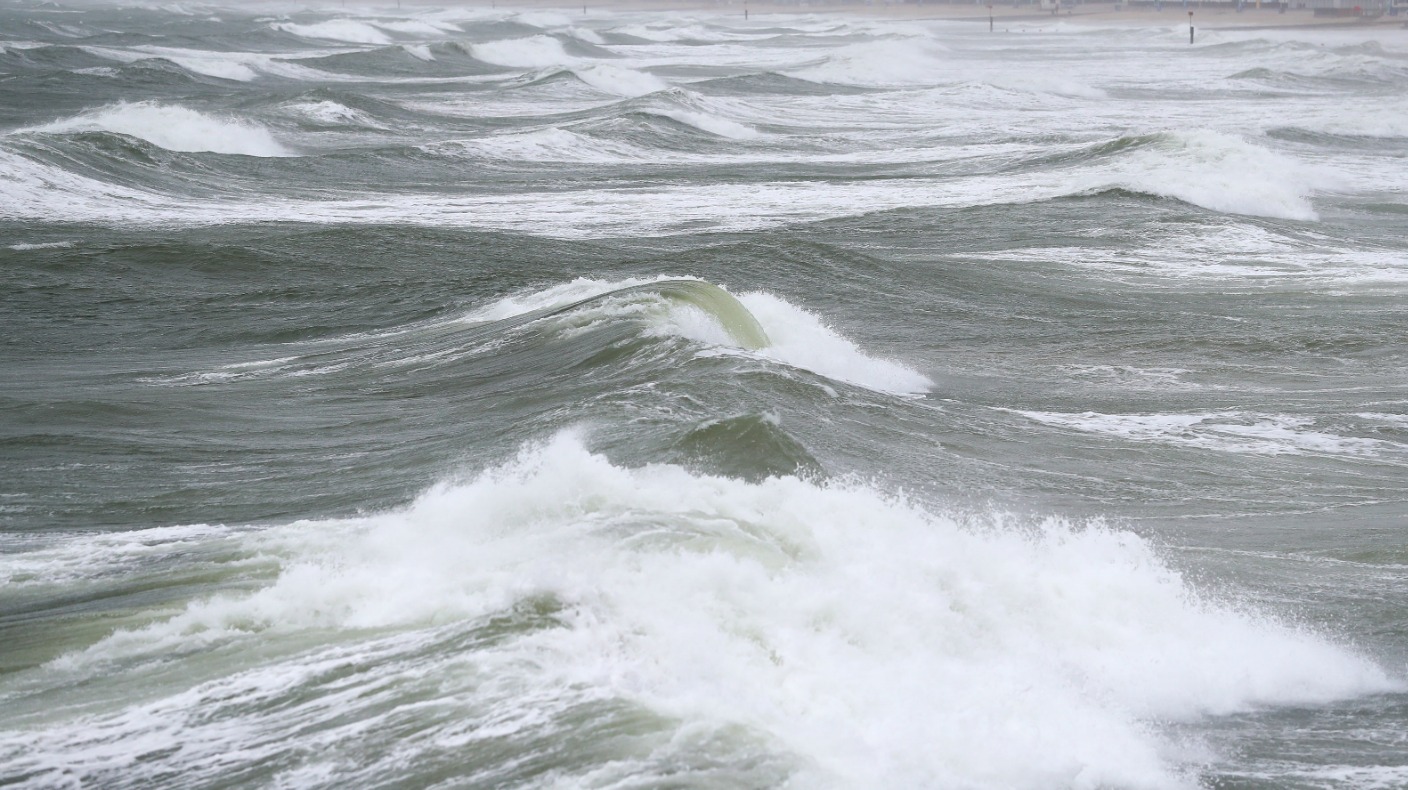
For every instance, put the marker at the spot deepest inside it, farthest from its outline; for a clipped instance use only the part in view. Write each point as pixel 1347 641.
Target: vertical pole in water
pixel 745 10
pixel 1190 27
pixel 989 17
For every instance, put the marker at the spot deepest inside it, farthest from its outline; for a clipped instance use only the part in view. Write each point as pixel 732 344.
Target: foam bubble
pixel 174 128
pixel 877 642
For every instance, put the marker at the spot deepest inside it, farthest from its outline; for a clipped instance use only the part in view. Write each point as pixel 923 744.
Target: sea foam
pixel 1215 170
pixel 874 641
pixel 349 30
pixel 533 52
pixel 174 128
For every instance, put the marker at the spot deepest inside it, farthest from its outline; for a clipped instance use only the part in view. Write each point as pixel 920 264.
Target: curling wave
pixel 704 312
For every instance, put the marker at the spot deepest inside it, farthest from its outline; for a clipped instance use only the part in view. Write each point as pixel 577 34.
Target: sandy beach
pixel 1209 16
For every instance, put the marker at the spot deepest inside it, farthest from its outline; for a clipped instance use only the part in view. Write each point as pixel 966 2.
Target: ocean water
pixel 483 398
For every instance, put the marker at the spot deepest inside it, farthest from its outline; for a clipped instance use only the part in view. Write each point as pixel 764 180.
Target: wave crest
pixel 976 655
pixel 174 128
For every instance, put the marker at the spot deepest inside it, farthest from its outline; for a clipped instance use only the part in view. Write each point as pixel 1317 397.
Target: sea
pixel 490 397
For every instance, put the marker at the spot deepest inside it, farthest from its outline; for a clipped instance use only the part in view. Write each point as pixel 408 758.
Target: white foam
pixel 876 642
pixel 31 189
pixel 1215 170
pixel 419 51
pixel 620 81
pixel 555 296
pixel 237 66
pixel 418 27
pixel 69 559
pixel 675 31
pixel 803 339
pixel 349 30
pixel 1229 432
pixel 907 61
pixel 534 52
pixel 331 113
pixel 1039 82
pixel 708 122
pixel 1394 420
pixel 545 145
pixel 586 34
pixel 45 245
pixel 544 19
pixel 567 213
pixel 174 128
pixel 1387 117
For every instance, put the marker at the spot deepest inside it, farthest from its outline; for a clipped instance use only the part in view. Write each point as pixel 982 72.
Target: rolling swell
pixel 603 400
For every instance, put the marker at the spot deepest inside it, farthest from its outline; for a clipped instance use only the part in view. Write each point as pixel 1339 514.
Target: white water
pixel 174 128
pixel 879 642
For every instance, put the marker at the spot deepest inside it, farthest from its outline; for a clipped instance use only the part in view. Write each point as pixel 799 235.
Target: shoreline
pixel 1222 16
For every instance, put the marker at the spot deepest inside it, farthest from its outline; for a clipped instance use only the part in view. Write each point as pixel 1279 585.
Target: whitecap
pixel 174 128
pixel 873 640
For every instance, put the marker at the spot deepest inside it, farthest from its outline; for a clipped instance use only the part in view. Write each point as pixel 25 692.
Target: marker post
pixel 1190 27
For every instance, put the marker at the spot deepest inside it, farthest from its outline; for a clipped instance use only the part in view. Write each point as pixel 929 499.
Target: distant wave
pixel 1228 432
pixel 907 61
pixel 1215 170
pixel 355 31
pixel 174 128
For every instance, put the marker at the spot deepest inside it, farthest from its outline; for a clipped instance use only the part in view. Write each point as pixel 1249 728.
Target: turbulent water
pixel 490 398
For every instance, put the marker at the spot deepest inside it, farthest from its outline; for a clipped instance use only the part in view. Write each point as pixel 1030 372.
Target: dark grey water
pixel 477 398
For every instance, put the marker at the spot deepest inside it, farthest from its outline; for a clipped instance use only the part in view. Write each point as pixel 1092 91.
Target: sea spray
pixel 866 638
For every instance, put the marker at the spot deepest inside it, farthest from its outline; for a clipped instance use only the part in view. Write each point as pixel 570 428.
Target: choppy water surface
pixel 481 398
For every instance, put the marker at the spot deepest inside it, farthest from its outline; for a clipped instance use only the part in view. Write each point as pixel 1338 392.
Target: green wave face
pixel 722 305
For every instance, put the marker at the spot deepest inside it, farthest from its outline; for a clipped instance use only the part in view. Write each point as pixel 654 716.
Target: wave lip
pixel 697 310
pixel 174 128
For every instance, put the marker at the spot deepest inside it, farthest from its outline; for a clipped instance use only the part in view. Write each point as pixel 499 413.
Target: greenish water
pixel 482 398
